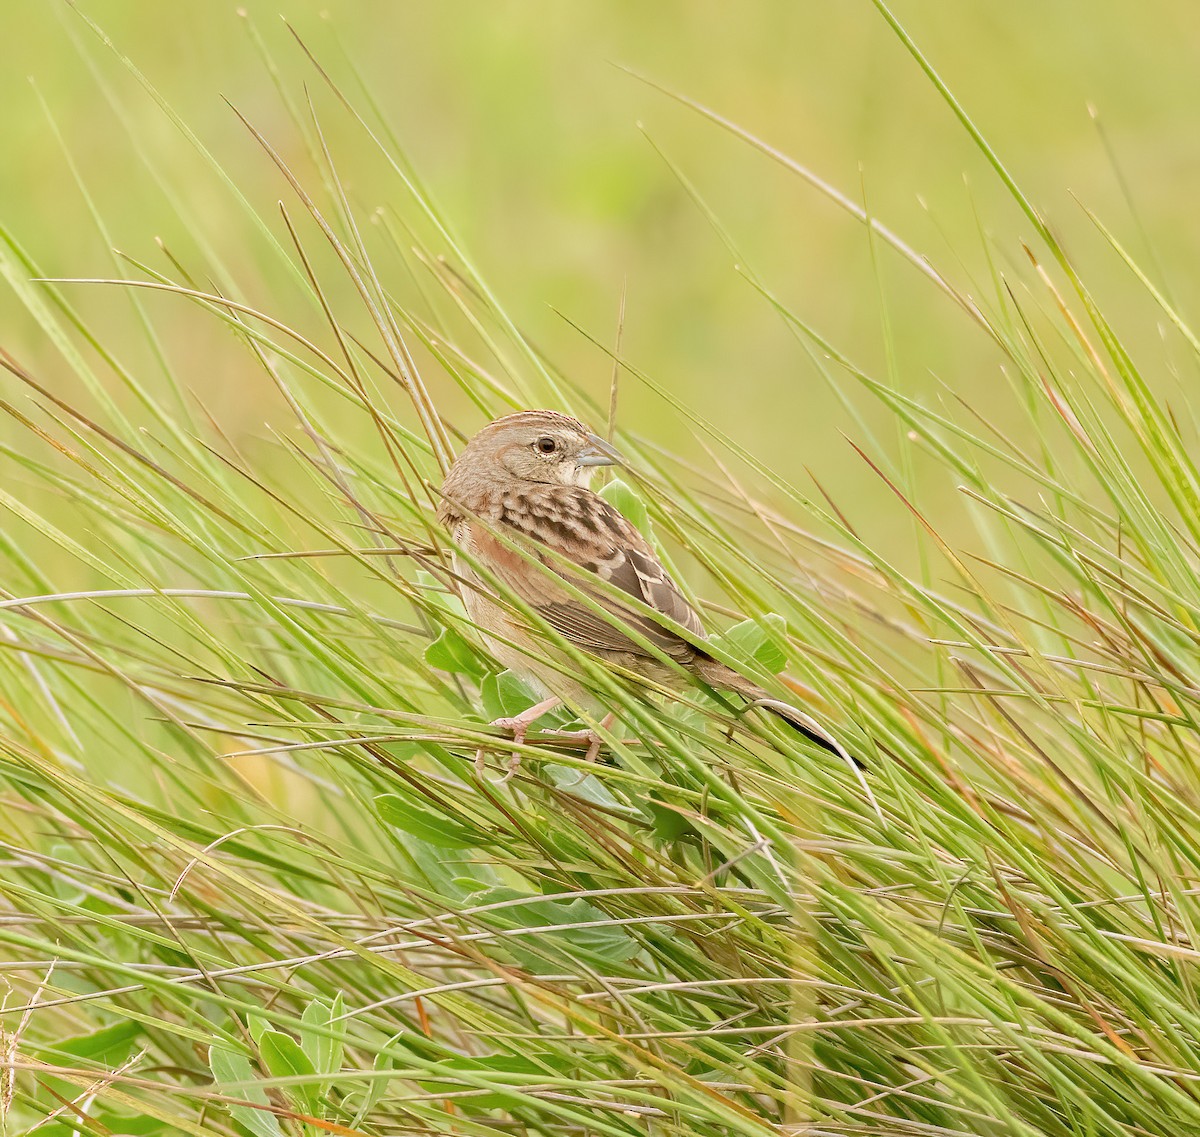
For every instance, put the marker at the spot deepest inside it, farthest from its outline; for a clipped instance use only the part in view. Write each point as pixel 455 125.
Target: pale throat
pixel 580 476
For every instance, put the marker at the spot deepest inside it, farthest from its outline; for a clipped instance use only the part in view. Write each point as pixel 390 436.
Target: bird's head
pixel 534 446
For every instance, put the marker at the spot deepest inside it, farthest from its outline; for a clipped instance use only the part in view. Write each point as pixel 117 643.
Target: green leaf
pixel 123 1125
pixel 583 785
pixel 324 1052
pixel 451 652
pixel 628 503
pixel 669 824
pixel 754 641
pixel 232 1069
pixel 140 1126
pixel 425 825
pixel 376 1087
pixel 504 693
pixel 604 942
pixel 257 1025
pixel 108 1046
pixel 285 1058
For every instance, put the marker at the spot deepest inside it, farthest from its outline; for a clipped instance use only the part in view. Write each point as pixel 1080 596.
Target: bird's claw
pixel 511 767
pixel 591 737
pixel 519 728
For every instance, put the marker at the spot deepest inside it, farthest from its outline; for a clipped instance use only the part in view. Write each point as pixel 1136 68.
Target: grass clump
pixel 250 884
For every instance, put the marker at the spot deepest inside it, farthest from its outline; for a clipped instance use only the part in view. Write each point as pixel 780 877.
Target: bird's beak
pixel 598 453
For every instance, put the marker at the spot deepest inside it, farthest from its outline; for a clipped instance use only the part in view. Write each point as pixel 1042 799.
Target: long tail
pixel 716 674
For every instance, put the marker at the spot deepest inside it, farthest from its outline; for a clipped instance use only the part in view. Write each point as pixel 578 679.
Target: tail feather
pixel 716 674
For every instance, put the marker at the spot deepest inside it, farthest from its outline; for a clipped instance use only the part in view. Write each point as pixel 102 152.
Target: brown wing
pixel 583 528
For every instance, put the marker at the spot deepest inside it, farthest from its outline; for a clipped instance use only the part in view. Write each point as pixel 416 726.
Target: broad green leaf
pixel 134 1126
pixel 669 824
pixel 628 503
pixel 232 1069
pixel 504 693
pixel 602 941
pixel 120 1125
pixel 754 641
pixel 450 652
pixel 583 784
pixel 424 824
pixel 108 1046
pixel 285 1058
pixel 324 1052
pixel 257 1025
pixel 377 1087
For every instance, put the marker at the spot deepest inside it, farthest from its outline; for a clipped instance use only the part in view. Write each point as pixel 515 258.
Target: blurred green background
pixel 523 124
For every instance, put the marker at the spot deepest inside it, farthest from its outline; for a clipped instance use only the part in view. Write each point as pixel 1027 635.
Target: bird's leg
pixel 590 736
pixel 594 739
pixel 519 725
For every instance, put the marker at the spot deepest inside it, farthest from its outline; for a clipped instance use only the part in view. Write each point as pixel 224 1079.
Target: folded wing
pixel 580 527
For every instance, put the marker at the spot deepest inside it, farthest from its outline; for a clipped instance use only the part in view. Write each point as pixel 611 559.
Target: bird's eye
pixel 546 444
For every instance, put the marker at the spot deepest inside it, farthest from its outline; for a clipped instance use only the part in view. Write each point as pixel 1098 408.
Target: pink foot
pixel 591 737
pixel 519 726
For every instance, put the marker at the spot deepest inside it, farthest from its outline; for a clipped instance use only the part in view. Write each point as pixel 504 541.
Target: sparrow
pixel 517 503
